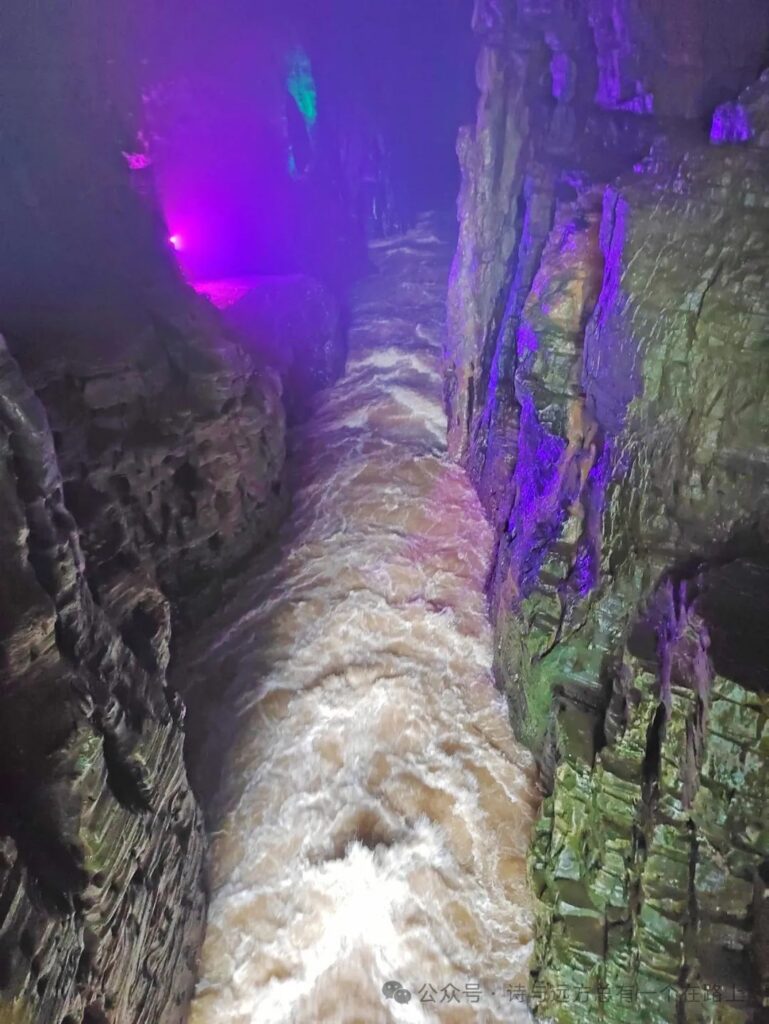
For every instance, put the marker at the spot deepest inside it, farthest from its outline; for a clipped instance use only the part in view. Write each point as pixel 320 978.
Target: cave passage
pixel 425 608
pixel 375 810
pixel 278 138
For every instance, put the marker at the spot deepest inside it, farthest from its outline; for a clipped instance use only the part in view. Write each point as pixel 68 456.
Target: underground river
pixel 375 810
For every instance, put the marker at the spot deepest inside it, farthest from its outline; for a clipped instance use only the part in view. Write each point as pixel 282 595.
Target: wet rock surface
pixel 135 476
pixel 100 878
pixel 171 448
pixel 606 383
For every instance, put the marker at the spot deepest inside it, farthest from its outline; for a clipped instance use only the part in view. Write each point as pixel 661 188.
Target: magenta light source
pixel 176 242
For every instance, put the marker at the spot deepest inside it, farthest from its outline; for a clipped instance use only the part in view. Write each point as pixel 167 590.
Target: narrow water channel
pixel 375 812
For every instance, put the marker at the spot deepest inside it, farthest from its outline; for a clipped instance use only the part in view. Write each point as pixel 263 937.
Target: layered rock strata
pixel 606 386
pixel 101 896
pixel 135 478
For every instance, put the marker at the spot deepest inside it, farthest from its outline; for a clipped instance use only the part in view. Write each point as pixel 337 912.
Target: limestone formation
pixel 606 386
pixel 101 872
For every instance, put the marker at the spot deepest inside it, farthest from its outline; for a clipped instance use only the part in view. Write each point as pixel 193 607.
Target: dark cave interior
pixel 197 201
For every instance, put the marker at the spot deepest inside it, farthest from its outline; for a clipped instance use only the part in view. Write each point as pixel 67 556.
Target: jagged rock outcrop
pixel 101 893
pixel 171 450
pixel 136 477
pixel 142 445
pixel 606 385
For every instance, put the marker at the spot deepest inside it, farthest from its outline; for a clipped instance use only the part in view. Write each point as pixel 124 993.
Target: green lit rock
pixel 625 313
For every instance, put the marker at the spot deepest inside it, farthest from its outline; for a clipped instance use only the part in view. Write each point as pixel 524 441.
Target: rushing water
pixel 375 811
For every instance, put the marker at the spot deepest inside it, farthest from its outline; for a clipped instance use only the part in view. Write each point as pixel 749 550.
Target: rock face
pixel 102 902
pixel 171 451
pixel 132 481
pixel 606 386
pixel 142 447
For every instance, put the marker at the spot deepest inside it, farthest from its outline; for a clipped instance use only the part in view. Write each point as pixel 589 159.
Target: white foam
pixel 376 812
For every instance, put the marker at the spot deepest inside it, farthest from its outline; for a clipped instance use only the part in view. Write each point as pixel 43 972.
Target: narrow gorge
pixel 367 745
pixel 384 591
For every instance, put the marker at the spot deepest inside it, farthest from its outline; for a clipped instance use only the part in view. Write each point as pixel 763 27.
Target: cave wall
pixel 606 386
pixel 102 843
pixel 131 487
pixel 141 455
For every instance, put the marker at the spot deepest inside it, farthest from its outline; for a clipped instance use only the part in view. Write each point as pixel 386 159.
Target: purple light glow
pixel 540 508
pixel 612 383
pixel 527 339
pixel 137 161
pixel 515 298
pixel 219 158
pixel 225 293
pixel 586 573
pixel 562 75
pixel 731 125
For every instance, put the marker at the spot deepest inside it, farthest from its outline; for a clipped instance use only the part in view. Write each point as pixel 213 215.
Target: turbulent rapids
pixel 375 810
